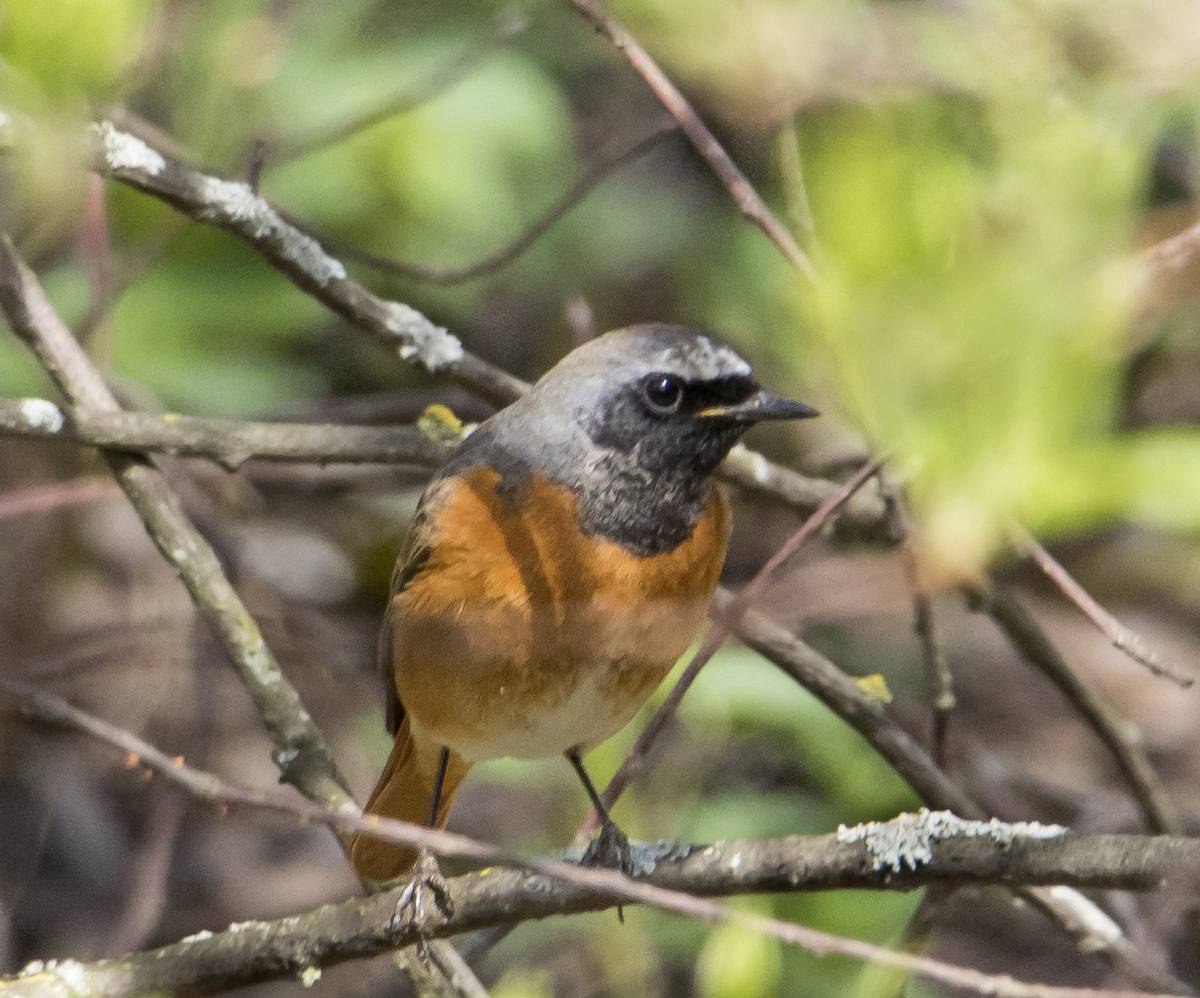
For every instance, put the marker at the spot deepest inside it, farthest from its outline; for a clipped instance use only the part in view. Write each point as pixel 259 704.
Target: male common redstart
pixel 558 566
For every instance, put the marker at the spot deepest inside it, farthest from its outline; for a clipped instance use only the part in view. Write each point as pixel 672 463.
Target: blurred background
pixel 978 184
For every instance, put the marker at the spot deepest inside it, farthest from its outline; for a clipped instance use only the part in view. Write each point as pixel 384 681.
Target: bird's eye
pixel 664 392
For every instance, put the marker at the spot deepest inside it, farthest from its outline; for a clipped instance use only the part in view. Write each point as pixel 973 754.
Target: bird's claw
pixel 425 893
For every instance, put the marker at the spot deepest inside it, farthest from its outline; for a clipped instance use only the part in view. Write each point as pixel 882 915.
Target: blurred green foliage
pixel 976 177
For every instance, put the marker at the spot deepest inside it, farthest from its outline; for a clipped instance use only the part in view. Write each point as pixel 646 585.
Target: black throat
pixel 646 516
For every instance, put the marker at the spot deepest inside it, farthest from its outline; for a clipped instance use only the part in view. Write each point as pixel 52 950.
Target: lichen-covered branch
pixel 910 851
pixel 234 207
pixel 300 945
pixel 230 442
pixel 1077 914
pixel 300 749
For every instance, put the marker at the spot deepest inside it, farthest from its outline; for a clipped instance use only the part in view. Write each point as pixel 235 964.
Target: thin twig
pixel 724 622
pixel 1118 735
pixel 744 195
pixel 253 951
pixel 1122 637
pixel 506 26
pixel 56 495
pixel 583 186
pixel 938 676
pixel 229 442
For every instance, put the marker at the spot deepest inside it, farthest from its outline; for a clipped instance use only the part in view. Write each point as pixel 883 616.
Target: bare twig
pixel 583 186
pixel 744 195
pixel 725 621
pixel 506 26
pixel 1118 735
pixel 229 442
pixel 938 676
pixel 1171 254
pixel 1122 637
pixel 300 749
pixel 56 495
pixel 253 951
pixel 867 514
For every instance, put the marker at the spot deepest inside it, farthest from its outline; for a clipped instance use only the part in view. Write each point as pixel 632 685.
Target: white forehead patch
pixel 707 359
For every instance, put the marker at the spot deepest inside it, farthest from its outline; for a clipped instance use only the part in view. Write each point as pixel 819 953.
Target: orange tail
pixel 405 791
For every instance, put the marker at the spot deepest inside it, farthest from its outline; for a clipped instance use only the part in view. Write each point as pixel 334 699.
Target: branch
pixel 938 677
pixel 578 191
pixel 230 442
pixel 705 143
pixel 1083 919
pixel 1118 735
pixel 235 208
pixel 300 749
pixel 911 851
pixel 55 495
pixel 1122 638
pixel 507 25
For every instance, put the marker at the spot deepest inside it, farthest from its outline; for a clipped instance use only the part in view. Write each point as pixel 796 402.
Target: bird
pixel 556 568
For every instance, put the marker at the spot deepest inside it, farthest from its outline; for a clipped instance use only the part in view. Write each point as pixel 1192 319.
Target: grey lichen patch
pixel 645 856
pixel 40 414
pixel 907 840
pixel 422 342
pixel 233 202
pixel 122 151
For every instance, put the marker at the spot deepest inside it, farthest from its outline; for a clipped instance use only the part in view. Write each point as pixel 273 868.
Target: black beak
pixel 760 406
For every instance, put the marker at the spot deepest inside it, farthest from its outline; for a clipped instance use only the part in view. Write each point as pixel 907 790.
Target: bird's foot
pixel 611 849
pixel 425 894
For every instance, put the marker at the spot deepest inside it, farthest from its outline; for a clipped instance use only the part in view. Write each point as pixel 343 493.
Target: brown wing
pixel 414 553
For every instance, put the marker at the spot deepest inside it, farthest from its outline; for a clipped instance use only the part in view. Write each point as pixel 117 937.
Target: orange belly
pixel 520 637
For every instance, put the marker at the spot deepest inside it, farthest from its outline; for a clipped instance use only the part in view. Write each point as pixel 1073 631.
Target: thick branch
pixel 227 441
pixel 255 951
pixel 908 852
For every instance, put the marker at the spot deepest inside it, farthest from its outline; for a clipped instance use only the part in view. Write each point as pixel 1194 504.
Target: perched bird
pixel 558 566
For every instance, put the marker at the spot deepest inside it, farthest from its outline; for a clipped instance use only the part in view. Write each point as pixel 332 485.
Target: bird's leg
pixel 426 878
pixel 609 848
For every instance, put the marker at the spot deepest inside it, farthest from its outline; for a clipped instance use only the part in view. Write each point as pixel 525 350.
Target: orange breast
pixel 520 636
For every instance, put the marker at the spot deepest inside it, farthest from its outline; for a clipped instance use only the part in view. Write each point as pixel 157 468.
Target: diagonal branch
pixel 587 182
pixel 300 749
pixel 1083 919
pixel 725 621
pixel 1118 735
pixel 234 207
pixel 506 26
pixel 1123 638
pixel 744 195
